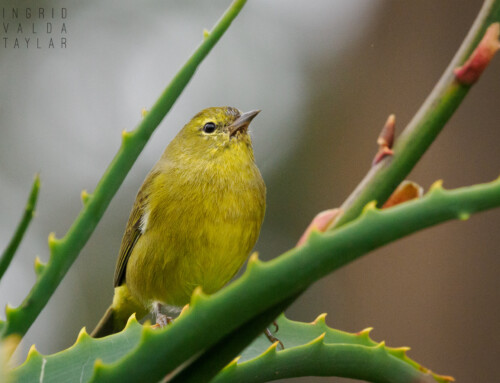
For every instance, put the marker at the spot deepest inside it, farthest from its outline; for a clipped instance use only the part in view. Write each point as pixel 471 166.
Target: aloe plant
pixel 219 337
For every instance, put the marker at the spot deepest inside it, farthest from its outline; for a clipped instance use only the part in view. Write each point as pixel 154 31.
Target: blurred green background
pixel 326 76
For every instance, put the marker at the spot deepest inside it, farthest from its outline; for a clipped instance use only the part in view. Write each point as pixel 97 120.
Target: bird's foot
pixel 271 337
pixel 163 320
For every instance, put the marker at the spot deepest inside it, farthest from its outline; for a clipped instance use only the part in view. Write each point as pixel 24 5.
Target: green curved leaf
pixel 314 349
pixel 321 350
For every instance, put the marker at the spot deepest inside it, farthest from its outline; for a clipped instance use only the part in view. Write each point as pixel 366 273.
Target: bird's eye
pixel 209 127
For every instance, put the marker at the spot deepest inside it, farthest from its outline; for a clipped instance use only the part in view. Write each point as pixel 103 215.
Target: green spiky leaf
pixel 88 356
pixel 76 364
pixel 314 349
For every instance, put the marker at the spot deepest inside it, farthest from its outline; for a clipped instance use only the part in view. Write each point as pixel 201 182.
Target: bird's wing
pixel 134 230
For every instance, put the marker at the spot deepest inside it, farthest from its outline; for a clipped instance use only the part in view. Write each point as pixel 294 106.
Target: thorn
pixel 206 33
pixel 84 195
pixel 381 345
pixel 82 335
pixel 437 185
pixel 39 265
pixel 254 258
pixel 144 112
pixel 233 363
pixel 9 310
pixel 370 206
pixel 400 352
pixel 273 347
pixel 98 364
pixel 197 296
pixel 320 223
pixel 320 339
pixel 463 216
pixel 126 135
pixel 406 191
pixel 33 352
pixel 366 332
pixel 385 140
pixel 130 321
pixel 471 70
pixel 321 318
pixel 253 262
pixel 53 241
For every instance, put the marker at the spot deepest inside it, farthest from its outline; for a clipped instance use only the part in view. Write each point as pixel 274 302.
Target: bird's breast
pixel 201 227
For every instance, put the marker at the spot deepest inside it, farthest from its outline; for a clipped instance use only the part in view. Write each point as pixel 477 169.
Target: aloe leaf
pixel 321 350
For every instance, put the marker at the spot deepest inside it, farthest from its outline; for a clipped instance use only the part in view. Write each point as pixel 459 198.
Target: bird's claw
pixel 272 338
pixel 163 320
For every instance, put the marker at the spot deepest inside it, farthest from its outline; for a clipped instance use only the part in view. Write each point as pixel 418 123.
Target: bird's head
pixel 215 131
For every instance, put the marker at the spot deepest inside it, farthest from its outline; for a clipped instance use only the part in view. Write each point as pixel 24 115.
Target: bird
pixel 195 219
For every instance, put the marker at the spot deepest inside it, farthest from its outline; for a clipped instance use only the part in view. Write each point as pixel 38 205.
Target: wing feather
pixel 135 228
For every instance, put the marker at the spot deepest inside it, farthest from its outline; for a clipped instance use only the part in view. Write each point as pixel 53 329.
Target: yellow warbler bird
pixel 195 219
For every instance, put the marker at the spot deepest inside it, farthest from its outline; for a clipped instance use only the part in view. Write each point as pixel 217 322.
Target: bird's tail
pixel 116 316
pixel 107 325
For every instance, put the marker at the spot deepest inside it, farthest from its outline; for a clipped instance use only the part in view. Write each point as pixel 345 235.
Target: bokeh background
pixel 326 75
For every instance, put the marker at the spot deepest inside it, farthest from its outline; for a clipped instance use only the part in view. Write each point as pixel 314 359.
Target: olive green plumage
pixel 195 219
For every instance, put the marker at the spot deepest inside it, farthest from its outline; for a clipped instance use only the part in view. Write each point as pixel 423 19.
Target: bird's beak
pixel 242 122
